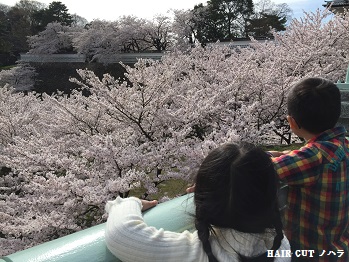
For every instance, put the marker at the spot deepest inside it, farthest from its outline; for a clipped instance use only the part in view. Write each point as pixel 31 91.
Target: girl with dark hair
pixel 236 216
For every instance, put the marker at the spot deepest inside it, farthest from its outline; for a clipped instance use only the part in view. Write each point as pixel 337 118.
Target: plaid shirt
pixel 317 216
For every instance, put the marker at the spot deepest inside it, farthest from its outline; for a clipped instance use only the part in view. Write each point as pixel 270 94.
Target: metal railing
pixel 53 58
pixel 129 58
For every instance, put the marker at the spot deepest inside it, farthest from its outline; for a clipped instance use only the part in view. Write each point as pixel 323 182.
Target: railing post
pixel 344 89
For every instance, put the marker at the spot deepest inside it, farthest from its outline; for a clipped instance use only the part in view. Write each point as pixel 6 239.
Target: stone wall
pixel 55 76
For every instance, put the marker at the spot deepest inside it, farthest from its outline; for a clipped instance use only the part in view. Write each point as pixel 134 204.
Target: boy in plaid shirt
pixel 317 217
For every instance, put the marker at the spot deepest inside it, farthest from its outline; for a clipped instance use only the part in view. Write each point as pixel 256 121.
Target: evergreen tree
pixel 19 28
pixel 267 16
pixel 261 27
pixel 223 19
pixel 5 45
pixel 56 12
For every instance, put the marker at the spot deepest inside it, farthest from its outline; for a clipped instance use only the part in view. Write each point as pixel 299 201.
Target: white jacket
pixel 130 239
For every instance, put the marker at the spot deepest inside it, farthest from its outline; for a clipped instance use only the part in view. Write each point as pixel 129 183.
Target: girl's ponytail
pixel 204 234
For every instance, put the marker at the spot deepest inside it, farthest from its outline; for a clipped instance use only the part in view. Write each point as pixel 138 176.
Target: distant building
pixel 337 6
pixel 52 58
pixel 240 42
pixel 127 58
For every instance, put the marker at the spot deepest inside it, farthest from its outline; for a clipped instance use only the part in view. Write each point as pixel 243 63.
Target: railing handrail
pixel 89 245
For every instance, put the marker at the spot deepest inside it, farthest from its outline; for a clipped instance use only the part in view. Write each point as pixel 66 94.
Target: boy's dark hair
pixel 236 187
pixel 315 104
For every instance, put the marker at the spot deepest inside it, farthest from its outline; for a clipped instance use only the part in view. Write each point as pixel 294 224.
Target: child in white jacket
pixel 237 217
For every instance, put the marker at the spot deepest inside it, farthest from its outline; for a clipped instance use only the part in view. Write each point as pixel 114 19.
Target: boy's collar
pixel 329 134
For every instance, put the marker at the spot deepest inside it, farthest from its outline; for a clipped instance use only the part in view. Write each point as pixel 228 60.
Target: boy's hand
pixel 146 204
pixel 278 153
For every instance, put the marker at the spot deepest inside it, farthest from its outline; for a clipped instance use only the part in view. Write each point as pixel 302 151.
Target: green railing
pixel 88 245
pixel 344 89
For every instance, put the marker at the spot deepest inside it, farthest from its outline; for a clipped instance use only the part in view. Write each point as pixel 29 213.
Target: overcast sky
pixel 112 9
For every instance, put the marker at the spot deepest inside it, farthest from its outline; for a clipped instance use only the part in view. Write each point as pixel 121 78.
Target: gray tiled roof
pixel 341 1
pixel 337 3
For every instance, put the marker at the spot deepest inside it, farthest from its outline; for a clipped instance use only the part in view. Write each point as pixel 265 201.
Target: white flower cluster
pixel 21 77
pixel 68 155
pixel 103 41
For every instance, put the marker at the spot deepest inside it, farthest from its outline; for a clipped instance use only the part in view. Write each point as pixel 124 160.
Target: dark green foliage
pixel 56 12
pixel 25 19
pixel 16 23
pixel 5 45
pixel 19 29
pixel 226 20
pixel 222 19
pixel 261 27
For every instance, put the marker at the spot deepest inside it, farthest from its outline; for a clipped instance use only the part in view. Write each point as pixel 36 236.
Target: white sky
pixel 112 9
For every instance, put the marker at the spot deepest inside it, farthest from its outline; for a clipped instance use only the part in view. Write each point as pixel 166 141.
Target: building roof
pixel 337 3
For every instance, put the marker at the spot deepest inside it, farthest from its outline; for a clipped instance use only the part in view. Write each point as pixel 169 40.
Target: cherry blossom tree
pixel 133 35
pixel 159 33
pixel 315 45
pixel 100 41
pixel 184 29
pixel 65 156
pixel 56 38
pixel 104 41
pixel 21 77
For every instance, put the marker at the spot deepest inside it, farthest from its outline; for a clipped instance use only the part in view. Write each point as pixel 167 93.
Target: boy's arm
pixel 299 167
pixel 278 153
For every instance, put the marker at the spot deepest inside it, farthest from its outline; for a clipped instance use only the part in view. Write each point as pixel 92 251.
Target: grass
pixel 169 188
pixel 283 147
pixel 7 67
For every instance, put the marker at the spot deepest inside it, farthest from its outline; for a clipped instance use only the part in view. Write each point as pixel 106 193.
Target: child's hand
pixel 285 152
pixel 278 153
pixel 146 204
pixel 190 189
